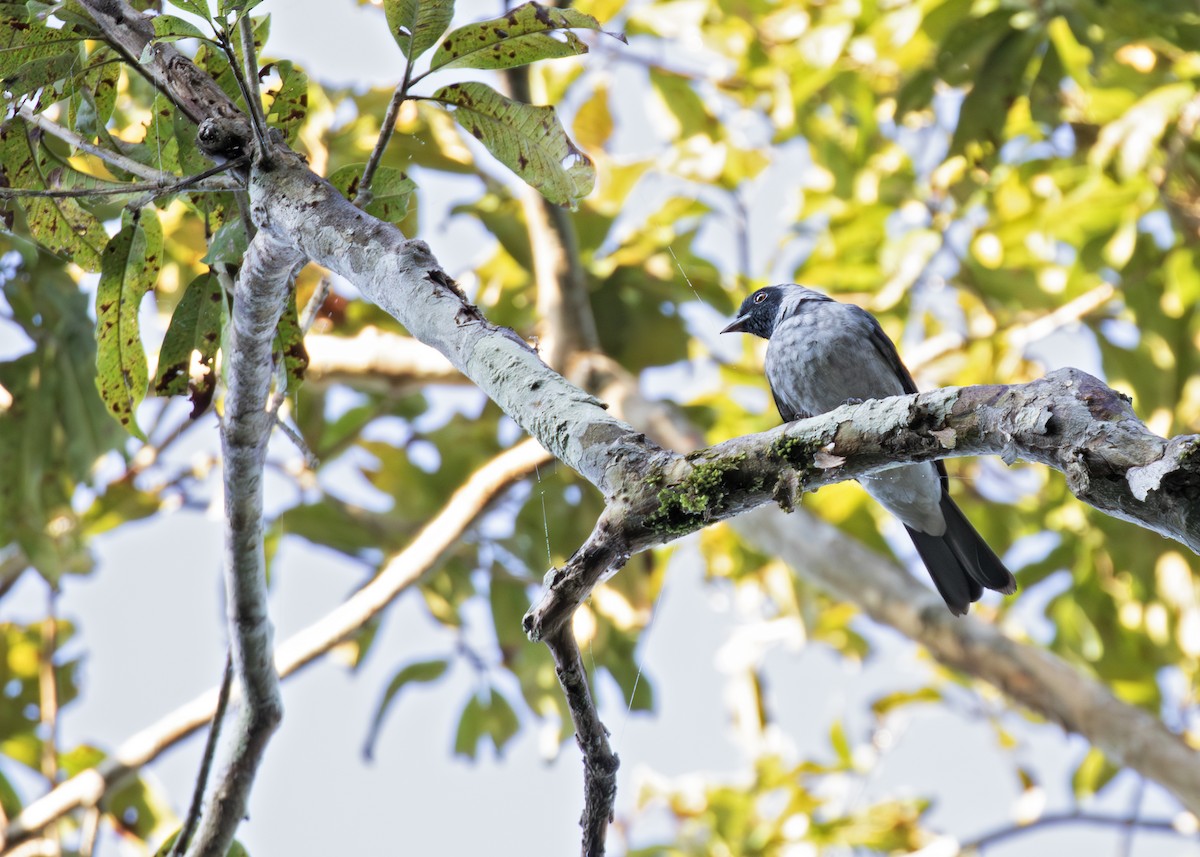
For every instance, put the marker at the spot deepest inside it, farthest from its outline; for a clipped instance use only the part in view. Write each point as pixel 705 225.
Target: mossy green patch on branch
pixel 795 451
pixel 688 505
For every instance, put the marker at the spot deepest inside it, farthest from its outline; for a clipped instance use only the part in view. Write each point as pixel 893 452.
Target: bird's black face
pixel 758 313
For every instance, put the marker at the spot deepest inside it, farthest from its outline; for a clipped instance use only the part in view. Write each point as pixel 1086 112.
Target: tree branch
pixel 1067 420
pixel 259 297
pixel 116 159
pixel 193 91
pixel 1033 677
pixel 599 761
pixel 377 360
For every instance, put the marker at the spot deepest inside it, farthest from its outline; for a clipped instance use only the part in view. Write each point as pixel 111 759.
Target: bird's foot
pixel 853 401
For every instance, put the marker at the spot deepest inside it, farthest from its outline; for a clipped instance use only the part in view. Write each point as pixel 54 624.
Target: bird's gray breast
pixel 823 355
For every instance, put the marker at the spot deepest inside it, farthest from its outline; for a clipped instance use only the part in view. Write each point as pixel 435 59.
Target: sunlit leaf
pixel 390 191
pixel 62 226
pixel 528 140
pixel 416 25
pixel 187 361
pixel 129 269
pixel 522 36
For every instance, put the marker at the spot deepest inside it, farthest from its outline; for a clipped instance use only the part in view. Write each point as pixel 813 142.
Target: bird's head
pixel 765 308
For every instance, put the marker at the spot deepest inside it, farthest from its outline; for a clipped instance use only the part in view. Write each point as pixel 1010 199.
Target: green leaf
pixel 528 140
pixel 289 340
pixel 421 672
pixel 289 103
pixel 1093 774
pixel 985 109
pixel 196 7
pixel 129 269
pixel 24 38
pixel 519 38
pixel 168 28
pixel 390 190
pixel 238 7
pixel 485 715
pixel 416 25
pixel 42 72
pixel 195 327
pixel 62 226
pixel 228 245
pixel 94 92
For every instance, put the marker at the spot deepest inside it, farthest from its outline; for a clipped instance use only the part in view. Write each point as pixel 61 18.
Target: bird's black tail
pixel 960 561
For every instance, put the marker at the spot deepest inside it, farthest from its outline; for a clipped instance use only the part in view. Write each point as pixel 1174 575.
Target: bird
pixel 821 354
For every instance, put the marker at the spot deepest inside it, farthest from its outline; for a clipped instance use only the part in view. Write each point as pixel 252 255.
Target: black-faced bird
pixel 822 354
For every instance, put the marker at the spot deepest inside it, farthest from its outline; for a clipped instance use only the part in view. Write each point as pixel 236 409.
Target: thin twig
pixel 116 159
pixel 1135 810
pixel 320 294
pixel 89 831
pixel 1161 825
pixel 363 196
pixel 206 761
pixel 248 81
pixel 48 692
pixel 600 763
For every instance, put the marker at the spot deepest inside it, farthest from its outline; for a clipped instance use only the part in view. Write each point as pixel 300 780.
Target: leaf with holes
pixel 25 38
pixel 416 25
pixel 528 140
pixel 289 103
pixel 128 270
pixel 390 190
pixel 195 329
pixel 62 226
pixel 526 34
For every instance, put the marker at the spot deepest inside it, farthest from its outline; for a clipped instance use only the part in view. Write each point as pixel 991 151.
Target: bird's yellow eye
pixel 760 297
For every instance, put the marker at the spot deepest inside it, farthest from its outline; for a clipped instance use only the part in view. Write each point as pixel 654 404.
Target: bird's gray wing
pixel 788 413
pixel 886 349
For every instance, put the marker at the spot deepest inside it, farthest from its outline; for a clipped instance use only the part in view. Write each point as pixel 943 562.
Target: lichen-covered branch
pixel 1068 420
pixel 260 295
pixel 600 763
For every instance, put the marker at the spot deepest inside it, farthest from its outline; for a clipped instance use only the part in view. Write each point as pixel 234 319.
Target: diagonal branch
pixel 403 570
pixel 1033 677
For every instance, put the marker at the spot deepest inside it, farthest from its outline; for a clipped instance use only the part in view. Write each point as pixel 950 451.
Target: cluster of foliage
pixel 978 174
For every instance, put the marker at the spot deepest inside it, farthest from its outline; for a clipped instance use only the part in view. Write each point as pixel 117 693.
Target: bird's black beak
pixel 738 325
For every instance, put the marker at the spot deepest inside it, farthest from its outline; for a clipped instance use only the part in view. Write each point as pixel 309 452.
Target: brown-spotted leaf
pixel 62 226
pixel 128 270
pixel 195 329
pixel 528 140
pixel 390 190
pixel 526 34
pixel 416 25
